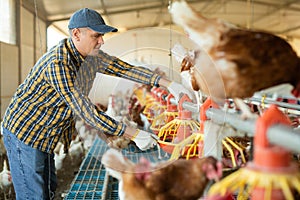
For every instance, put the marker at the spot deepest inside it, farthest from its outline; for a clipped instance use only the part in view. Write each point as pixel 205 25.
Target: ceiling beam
pixel 32 6
pixel 288 30
pixel 276 8
pixel 103 6
pixel 164 4
pixel 137 8
pixel 272 4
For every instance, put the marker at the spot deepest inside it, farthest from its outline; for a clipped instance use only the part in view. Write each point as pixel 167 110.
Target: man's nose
pixel 100 40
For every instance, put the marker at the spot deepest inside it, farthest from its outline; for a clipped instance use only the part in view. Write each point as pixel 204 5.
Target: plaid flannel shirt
pixel 43 109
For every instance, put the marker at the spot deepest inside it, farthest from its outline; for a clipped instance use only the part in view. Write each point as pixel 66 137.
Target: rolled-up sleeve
pixel 114 66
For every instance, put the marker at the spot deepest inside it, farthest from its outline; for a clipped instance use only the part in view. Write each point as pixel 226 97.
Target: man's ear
pixel 76 34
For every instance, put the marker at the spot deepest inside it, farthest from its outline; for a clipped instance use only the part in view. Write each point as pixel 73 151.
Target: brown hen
pixel 181 179
pixel 233 62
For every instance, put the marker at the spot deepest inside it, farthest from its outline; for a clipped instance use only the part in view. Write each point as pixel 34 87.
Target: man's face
pixel 89 41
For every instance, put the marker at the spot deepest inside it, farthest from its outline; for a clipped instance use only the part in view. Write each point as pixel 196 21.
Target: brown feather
pixel 234 62
pixel 177 180
pixel 262 60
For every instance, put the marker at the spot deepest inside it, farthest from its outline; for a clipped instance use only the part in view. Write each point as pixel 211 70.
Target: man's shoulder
pixel 60 51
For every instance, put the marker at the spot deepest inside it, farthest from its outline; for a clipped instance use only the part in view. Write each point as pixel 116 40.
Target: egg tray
pixel 92 181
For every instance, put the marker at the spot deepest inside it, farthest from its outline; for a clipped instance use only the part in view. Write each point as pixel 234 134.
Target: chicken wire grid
pixel 92 181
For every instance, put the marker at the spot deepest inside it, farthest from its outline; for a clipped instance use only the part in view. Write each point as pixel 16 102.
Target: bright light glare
pixel 54 36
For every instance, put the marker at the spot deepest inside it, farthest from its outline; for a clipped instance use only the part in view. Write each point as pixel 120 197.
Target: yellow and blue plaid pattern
pixel 43 109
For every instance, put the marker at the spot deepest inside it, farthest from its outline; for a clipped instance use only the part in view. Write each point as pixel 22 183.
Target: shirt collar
pixel 78 57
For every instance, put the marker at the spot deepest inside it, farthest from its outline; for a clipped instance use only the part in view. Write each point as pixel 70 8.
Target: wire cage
pixel 93 182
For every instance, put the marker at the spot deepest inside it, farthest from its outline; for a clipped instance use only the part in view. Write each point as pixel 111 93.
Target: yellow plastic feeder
pixel 155 107
pixel 181 134
pixel 167 116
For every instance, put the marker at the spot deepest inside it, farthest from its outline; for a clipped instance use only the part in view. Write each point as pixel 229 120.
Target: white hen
pixel 76 151
pixel 5 177
pixel 111 107
pixel 59 156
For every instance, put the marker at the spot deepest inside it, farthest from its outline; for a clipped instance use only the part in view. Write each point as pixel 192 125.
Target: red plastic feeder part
pixel 178 129
pixel 168 115
pixel 270 158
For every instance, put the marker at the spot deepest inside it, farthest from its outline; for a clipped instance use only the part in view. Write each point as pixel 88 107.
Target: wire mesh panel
pixel 89 182
pixel 92 181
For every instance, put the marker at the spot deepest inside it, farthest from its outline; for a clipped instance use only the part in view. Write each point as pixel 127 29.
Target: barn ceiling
pixel 277 16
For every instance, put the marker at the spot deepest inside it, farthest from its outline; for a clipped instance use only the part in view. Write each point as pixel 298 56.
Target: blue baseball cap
pixel 91 19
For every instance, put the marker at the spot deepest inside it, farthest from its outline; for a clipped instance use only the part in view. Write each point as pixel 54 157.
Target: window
pixel 54 36
pixel 8 21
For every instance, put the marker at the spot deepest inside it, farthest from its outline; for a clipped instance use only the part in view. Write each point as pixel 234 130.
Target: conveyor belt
pixel 92 181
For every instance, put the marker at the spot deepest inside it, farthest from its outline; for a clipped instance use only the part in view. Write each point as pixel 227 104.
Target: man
pixel 43 109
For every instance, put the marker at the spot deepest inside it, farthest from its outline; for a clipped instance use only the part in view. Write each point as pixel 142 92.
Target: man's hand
pixel 144 140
